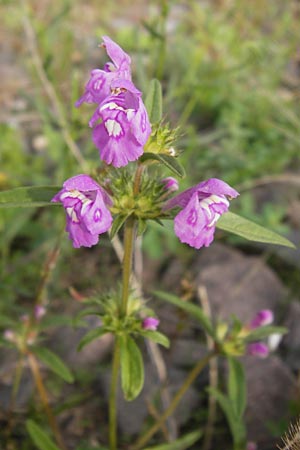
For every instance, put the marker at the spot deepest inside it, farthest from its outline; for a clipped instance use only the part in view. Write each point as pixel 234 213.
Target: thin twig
pixel 34 366
pixel 49 88
pixel 213 374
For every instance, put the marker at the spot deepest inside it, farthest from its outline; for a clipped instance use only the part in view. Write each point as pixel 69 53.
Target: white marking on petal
pixel 97 215
pixel 130 113
pixel 113 127
pixel 111 106
pixel 86 202
pixel 72 214
pixel 98 84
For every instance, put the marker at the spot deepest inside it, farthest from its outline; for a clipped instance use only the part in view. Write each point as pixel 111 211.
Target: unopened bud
pixel 150 324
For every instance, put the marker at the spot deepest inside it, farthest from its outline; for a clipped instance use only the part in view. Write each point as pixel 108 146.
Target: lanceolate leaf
pixel 262 332
pixel 39 437
pixel 172 163
pixel 153 101
pixel 190 308
pixel 25 197
pixel 169 161
pixel 132 368
pixel 91 336
pixel 54 363
pixel 236 424
pixel 181 443
pixel 157 337
pixel 118 222
pixel 250 230
pixel 237 386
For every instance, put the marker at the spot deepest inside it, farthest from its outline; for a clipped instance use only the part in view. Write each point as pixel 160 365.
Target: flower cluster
pixel 121 128
pixel 122 124
pixel 239 339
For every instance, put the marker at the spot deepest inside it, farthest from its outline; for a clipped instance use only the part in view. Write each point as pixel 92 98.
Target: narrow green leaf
pixel 132 368
pixel 39 437
pixel 250 230
pixel 157 337
pixel 237 386
pixel 54 363
pixel 262 332
pixel 141 228
pixel 236 424
pixel 118 222
pixel 31 197
pixel 180 444
pixel 153 101
pixel 172 163
pixel 190 308
pixel 90 336
pixel 167 160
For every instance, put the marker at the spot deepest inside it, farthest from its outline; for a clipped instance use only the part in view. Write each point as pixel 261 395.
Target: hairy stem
pixel 180 393
pixel 44 399
pixel 127 262
pixel 113 397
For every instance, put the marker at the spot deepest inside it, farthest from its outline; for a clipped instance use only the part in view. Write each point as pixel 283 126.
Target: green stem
pixel 127 262
pixel 113 397
pixel 184 387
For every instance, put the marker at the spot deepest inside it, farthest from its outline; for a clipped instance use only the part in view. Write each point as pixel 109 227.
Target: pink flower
pixel 263 317
pixel 87 214
pixel 170 184
pixel 98 86
pixel 202 206
pixel 150 324
pixel 259 349
pixel 124 128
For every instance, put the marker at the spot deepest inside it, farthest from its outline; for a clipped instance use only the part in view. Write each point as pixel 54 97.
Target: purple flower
pixel 98 86
pixel 150 324
pixel 170 184
pixel 124 127
pixel 263 317
pixel 202 206
pixel 87 214
pixel 259 349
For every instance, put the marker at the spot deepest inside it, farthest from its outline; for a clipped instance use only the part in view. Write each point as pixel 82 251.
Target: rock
pixel 271 386
pixel 237 284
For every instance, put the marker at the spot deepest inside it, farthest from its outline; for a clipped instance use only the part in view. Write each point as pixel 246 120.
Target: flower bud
pixel 170 184
pixel 259 349
pixel 150 324
pixel 263 317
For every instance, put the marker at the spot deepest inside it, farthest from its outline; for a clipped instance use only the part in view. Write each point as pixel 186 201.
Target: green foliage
pixel 157 337
pixel 132 368
pixel 153 101
pixel 179 444
pixel 54 363
pixel 194 310
pixel 233 404
pixel 28 197
pixel 91 336
pixel 39 437
pixel 249 230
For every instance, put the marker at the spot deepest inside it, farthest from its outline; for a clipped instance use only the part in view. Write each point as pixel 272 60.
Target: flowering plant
pixel 135 147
